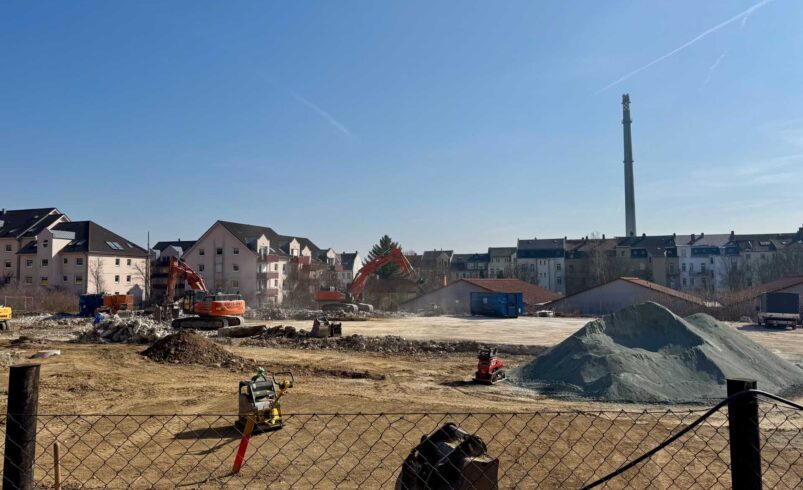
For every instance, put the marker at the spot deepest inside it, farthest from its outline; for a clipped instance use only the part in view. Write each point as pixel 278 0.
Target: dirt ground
pixel 541 441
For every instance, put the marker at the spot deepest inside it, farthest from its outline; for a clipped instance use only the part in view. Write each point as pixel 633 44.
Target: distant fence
pixel 667 448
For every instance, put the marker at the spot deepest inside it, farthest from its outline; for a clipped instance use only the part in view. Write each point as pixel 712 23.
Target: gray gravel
pixel 647 354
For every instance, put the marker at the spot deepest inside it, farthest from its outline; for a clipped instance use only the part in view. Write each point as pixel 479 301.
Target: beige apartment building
pixel 83 257
pixel 255 261
pixel 17 228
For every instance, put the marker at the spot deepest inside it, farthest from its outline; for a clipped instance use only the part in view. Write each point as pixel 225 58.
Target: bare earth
pixel 545 444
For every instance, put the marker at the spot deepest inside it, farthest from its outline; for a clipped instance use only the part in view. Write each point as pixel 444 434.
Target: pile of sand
pixel 647 354
pixel 188 347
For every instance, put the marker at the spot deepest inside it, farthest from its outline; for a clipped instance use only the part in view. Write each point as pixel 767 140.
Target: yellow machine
pixel 259 400
pixel 5 316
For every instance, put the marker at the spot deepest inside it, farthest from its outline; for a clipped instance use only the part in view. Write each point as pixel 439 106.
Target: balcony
pixel 262 258
pixel 267 275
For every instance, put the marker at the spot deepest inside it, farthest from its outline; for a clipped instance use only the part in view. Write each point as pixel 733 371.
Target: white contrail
pixel 334 122
pixel 714 67
pixel 685 45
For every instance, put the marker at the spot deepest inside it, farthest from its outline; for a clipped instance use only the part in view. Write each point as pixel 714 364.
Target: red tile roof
pixel 531 293
pixel 755 292
pixel 665 290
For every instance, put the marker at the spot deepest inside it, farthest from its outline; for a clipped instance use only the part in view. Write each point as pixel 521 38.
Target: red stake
pixel 238 460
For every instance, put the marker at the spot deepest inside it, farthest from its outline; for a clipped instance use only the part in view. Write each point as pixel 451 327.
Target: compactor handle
pixel 284 373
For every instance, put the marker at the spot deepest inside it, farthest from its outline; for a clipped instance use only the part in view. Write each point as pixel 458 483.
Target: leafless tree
pixel 96 274
pixel 737 273
pixel 141 272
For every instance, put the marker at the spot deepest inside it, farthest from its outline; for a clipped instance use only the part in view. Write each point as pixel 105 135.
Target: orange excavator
pixel 350 300
pixel 207 311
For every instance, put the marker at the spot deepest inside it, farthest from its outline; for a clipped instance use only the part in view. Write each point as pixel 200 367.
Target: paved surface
pixel 537 331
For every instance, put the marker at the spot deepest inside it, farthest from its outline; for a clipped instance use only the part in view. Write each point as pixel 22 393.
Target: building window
pixel 45 262
pixel 127 261
pixel 8 247
pixel 275 282
pixel 201 251
pixel 65 260
pixel 79 261
pixel 8 264
pixel 117 279
pixel 43 280
pixel 219 251
pixel 235 251
pixel 284 267
pixel 65 279
pixel 44 243
pixel 127 278
pixel 702 267
pixel 117 262
pixel 276 267
pixel 684 281
pixel 28 262
pixel 79 279
pixel 200 267
pixel 692 281
pixel 560 281
pixel 28 280
pixel 235 267
pixel 557 267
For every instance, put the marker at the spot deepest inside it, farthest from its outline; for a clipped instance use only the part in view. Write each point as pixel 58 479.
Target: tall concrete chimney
pixel 630 197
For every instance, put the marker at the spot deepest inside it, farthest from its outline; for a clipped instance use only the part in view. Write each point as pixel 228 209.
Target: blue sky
pixel 455 125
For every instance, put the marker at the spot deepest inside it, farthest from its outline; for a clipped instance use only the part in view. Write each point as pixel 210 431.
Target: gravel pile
pixel 188 347
pixel 288 336
pixel 647 354
pixel 132 330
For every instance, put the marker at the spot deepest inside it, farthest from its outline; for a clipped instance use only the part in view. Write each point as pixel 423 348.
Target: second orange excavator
pixel 349 301
pixel 205 310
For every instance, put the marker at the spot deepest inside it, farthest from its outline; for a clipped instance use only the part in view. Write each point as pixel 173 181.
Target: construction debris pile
pixel 647 354
pixel 188 347
pixel 288 336
pixel 132 330
pixel 50 322
pixel 8 357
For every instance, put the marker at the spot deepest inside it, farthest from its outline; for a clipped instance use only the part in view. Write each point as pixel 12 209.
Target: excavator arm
pixel 394 255
pixel 179 269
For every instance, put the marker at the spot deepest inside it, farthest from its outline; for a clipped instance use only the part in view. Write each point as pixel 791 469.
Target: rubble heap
pixel 288 336
pixel 132 330
pixel 188 347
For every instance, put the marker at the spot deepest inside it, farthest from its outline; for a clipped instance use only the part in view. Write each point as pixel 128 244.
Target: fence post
pixel 745 443
pixel 20 449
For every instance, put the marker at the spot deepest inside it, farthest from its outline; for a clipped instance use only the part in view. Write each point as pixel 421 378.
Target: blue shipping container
pixel 87 304
pixel 505 305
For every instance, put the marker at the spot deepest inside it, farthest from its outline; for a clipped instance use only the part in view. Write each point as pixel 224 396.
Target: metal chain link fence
pixel 545 449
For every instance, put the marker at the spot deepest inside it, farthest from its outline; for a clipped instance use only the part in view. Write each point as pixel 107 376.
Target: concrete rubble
pixel 289 336
pixel 132 330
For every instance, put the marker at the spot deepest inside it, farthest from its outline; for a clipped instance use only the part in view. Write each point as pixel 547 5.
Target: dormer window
pixel 44 243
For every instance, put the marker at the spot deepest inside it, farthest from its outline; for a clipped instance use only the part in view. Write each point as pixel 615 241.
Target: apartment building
pixel 652 258
pixel 84 257
pixel 348 265
pixel 255 261
pixel 17 228
pixel 501 262
pixel 703 261
pixel 468 266
pixel 590 262
pixel 542 262
pixel 161 253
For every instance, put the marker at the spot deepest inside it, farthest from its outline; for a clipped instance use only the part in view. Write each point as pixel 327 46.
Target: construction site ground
pixel 117 379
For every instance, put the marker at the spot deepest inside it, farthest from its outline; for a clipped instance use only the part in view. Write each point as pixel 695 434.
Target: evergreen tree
pixel 383 248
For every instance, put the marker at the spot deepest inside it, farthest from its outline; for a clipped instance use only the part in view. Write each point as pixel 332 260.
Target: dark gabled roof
pixel 18 223
pixel 248 235
pixel 765 242
pixel 414 260
pixel 430 257
pixel 582 248
pixel 501 251
pixel 347 260
pixel 532 294
pixel 654 245
pixel 183 245
pixel 703 240
pixel 540 248
pixel 90 237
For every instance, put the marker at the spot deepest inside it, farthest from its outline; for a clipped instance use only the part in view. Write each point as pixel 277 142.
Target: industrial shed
pixel 744 302
pixel 455 298
pixel 626 291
